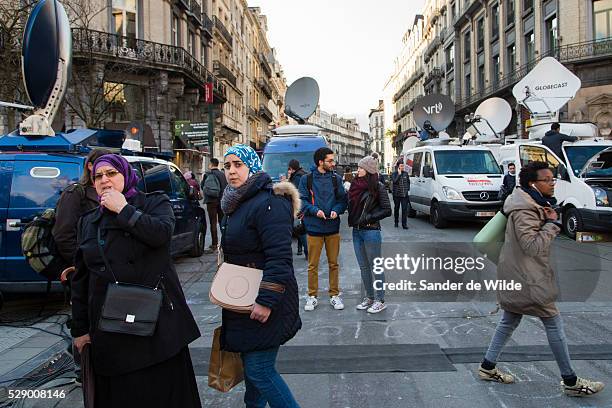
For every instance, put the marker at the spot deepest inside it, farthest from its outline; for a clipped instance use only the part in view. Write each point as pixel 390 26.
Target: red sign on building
pixel 208 92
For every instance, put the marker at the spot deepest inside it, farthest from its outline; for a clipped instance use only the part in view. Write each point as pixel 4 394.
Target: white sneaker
pixel 365 304
pixel 336 302
pixel 377 307
pixel 311 303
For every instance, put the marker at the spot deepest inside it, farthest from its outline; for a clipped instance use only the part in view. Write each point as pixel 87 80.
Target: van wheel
pixel 572 222
pixel 436 217
pixel 198 246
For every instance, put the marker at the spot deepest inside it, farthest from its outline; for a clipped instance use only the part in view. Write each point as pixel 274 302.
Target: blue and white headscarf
pixel 248 157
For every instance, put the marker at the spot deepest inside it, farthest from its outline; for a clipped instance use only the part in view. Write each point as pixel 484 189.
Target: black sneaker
pixel 300 253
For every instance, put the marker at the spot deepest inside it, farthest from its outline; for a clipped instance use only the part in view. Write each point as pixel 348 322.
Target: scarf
pixel 233 197
pixel 539 198
pixel 122 166
pixel 358 187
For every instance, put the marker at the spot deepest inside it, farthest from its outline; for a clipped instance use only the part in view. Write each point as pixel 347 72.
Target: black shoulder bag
pixel 129 308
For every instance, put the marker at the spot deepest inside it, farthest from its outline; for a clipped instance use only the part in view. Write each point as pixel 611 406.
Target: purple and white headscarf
pixel 122 166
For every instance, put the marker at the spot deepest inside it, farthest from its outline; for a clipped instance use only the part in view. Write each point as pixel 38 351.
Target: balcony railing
pixel 227 36
pixel 432 48
pixel 265 65
pixel 265 87
pixel 435 74
pixel 408 84
pixel 207 25
pixel 251 111
pixel 265 113
pixel 566 54
pixel 98 44
pixel 224 72
pixel 183 3
pixel 195 11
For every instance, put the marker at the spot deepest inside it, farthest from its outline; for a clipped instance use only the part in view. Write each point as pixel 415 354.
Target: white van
pixel 584 183
pixel 453 182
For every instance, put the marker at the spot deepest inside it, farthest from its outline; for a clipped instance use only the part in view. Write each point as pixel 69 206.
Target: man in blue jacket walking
pixel 323 201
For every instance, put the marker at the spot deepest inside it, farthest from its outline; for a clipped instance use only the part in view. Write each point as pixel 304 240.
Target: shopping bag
pixel 225 368
pixel 490 238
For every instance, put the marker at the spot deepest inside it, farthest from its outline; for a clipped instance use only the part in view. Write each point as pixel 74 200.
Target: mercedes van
pixel 583 176
pixel 453 182
pixel 291 142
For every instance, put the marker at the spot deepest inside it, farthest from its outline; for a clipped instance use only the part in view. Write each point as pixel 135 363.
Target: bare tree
pixel 13 16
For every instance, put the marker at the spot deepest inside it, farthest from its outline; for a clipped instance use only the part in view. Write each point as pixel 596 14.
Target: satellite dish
pixel 46 57
pixel 547 87
pixel 410 143
pixel 495 115
pixel 302 98
pixel 437 108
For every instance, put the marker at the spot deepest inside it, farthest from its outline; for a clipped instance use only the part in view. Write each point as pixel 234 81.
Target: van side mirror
pixel 562 172
pixel 428 172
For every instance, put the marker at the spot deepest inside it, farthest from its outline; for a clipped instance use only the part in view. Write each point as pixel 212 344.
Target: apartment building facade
pixel 344 136
pixel 472 50
pixel 377 131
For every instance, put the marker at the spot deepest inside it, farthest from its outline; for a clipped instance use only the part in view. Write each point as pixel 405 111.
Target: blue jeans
pixel 263 383
pixel 554 331
pixel 367 244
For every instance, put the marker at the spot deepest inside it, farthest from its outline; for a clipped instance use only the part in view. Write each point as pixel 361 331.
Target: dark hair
pixel 555 126
pixel 214 161
pixel 320 154
pixel 511 164
pixel 372 179
pixel 294 164
pixel 93 155
pixel 349 177
pixel 529 173
pixel 347 170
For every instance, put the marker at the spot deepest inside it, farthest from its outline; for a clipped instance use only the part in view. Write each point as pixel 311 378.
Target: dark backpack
pixel 309 181
pixel 38 245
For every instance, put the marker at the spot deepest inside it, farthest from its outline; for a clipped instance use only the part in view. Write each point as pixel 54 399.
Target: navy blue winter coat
pixel 258 235
pixel 325 200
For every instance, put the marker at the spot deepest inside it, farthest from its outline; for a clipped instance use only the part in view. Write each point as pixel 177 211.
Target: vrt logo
pixel 430 110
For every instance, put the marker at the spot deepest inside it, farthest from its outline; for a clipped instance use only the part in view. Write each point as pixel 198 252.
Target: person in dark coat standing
pixel 295 172
pixel 400 189
pixel 136 230
pixel 509 183
pixel 212 188
pixel 256 232
pixel 75 201
pixel 553 139
pixel 368 203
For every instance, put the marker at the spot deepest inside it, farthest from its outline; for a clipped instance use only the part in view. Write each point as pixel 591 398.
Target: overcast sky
pixel 348 46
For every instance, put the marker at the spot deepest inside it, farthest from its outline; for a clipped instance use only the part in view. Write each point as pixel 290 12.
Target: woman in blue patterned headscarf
pixel 256 232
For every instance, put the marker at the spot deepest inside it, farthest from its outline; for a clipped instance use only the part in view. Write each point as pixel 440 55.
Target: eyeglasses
pixel 548 181
pixel 330 161
pixel 109 174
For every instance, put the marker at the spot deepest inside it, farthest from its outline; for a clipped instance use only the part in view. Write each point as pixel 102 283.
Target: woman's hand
pixel 550 214
pixel 80 342
pixel 113 200
pixel 260 313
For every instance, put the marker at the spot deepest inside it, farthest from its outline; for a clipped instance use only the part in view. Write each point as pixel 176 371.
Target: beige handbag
pixel 234 287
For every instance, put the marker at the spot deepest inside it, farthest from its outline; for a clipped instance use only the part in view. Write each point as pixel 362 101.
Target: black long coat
pixel 258 234
pixel 138 250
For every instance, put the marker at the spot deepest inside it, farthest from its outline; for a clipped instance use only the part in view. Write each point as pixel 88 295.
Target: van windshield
pixel 579 155
pixel 275 164
pixel 466 162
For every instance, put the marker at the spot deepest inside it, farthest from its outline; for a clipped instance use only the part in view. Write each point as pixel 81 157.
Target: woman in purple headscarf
pixel 135 233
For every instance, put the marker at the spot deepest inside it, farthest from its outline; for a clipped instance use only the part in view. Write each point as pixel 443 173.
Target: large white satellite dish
pixel 547 87
pixel 302 98
pixel 492 117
